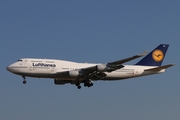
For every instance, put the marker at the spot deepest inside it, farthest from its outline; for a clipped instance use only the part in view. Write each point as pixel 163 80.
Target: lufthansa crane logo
pixel 158 55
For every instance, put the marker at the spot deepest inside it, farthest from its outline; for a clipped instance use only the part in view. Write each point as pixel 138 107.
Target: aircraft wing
pixel 98 71
pixel 128 59
pixel 160 68
pixel 111 66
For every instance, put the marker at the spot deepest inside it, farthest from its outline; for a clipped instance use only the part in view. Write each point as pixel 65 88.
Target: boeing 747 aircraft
pixel 64 72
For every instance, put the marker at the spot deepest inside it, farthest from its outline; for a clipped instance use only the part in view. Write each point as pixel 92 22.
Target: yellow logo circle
pixel 158 55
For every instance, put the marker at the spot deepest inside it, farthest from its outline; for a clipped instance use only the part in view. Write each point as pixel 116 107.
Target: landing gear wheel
pixel 79 87
pixel 88 84
pixel 24 82
pixel 85 84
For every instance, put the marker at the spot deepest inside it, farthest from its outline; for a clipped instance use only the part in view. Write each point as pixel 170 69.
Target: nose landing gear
pixel 24 80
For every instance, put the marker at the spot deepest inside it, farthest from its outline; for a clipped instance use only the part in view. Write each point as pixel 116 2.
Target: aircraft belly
pixel 119 75
pixel 47 75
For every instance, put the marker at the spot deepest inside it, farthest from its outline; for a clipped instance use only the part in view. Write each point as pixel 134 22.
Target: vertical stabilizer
pixel 156 57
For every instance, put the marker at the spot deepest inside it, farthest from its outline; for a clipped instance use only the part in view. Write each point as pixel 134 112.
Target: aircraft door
pixel 137 72
pixel 27 63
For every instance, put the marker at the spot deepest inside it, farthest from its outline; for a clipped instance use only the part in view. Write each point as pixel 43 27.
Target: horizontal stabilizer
pixel 160 68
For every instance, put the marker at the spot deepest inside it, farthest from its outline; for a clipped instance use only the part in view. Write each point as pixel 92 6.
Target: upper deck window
pixel 49 61
pixel 36 61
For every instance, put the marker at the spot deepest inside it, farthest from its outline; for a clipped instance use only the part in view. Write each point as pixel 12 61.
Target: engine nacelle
pixel 74 73
pixel 105 68
pixel 102 68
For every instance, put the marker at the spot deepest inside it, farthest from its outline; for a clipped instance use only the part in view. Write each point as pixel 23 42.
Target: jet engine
pixel 103 68
pixel 74 73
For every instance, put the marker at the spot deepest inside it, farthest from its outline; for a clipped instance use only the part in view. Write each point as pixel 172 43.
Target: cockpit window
pixel 20 60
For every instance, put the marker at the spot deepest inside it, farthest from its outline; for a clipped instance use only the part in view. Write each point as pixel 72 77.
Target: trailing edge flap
pixel 159 68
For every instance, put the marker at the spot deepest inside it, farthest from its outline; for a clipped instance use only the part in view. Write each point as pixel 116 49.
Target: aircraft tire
pixel 24 82
pixel 79 87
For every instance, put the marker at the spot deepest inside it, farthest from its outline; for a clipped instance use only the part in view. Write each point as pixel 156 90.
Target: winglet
pixel 143 54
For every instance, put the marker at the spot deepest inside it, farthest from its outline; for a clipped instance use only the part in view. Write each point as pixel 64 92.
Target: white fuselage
pixel 49 68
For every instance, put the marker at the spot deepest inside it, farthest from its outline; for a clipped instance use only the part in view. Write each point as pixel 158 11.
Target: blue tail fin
pixel 156 57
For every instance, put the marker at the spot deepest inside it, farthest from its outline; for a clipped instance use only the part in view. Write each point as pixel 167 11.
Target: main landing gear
pixel 24 80
pixel 78 85
pixel 86 84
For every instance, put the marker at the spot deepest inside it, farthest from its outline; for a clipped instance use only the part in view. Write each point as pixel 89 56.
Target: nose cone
pixel 13 68
pixel 8 68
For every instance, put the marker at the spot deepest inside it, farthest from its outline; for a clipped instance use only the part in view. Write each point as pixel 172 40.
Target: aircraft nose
pixel 8 68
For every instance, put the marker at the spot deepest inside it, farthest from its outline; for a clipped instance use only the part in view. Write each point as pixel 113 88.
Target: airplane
pixel 64 72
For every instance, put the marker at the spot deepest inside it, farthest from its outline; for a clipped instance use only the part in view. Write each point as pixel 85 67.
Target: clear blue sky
pixel 97 31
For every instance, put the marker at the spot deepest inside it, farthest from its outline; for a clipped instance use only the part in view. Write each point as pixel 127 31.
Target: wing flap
pixel 160 68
